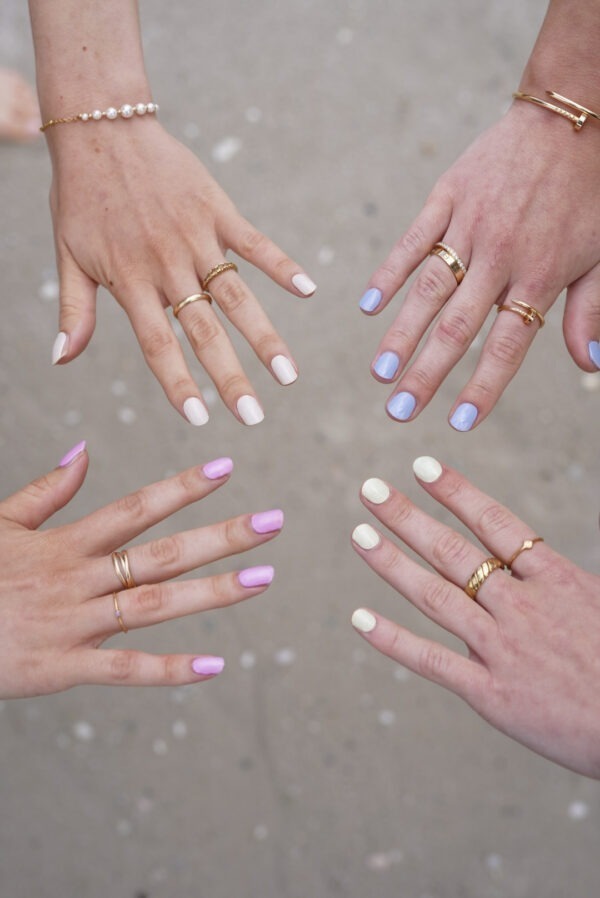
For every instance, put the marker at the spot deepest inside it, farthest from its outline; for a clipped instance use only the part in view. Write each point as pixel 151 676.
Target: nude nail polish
pixel 72 454
pixel 267 521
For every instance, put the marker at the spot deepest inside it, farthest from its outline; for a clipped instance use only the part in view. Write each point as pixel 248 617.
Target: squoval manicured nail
pixel 303 283
pixel 195 411
pixel 72 454
pixel 375 490
pixel 401 406
pixel 371 300
pixel 366 536
pixel 261 575
pixel 249 410
pixel 267 521
pixel 208 667
pixel 464 417
pixel 387 365
pixel 60 347
pixel 283 370
pixel 363 620
pixel 594 352
pixel 427 468
pixel 220 467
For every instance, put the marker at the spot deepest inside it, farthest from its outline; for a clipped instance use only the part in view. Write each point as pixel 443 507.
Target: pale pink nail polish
pixel 267 521
pixel 208 667
pixel 220 467
pixel 72 454
pixel 261 575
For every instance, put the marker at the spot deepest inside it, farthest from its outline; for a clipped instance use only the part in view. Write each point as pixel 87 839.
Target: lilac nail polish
pixel 401 406
pixel 257 576
pixel 387 365
pixel 267 521
pixel 594 351
pixel 72 454
pixel 371 300
pixel 208 667
pixel 464 417
pixel 220 467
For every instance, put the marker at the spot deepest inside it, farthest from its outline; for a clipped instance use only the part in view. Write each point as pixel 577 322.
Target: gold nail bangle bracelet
pixel 577 120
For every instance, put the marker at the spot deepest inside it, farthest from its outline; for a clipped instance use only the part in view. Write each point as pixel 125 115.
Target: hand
pixel 533 639
pixel 135 211
pixel 57 595
pixel 521 207
pixel 19 109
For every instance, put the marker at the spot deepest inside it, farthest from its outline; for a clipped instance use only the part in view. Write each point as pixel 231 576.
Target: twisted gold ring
pixel 120 562
pixel 527 312
pixel 216 271
pixel 193 298
pixel 451 258
pixel 527 544
pixel 480 575
pixel 118 614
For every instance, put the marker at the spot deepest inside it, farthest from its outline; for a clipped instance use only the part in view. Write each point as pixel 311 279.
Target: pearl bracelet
pixel 125 111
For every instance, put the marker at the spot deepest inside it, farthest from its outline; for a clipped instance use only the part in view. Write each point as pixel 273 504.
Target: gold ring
pixel 120 562
pixel 193 298
pixel 216 271
pixel 480 575
pixel 527 544
pixel 118 614
pixel 527 312
pixel 451 258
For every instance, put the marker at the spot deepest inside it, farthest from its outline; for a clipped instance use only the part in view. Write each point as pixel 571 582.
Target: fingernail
pixel 365 536
pixel 303 283
pixel 387 365
pixel 427 469
pixel 363 620
pixel 257 576
pixel 267 521
pixel 464 417
pixel 283 370
pixel 220 467
pixel 208 667
pixel 401 406
pixel 72 454
pixel 594 351
pixel 371 300
pixel 60 346
pixel 195 411
pixel 375 490
pixel 249 410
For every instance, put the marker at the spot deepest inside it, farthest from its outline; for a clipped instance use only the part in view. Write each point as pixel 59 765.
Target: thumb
pixel 581 321
pixel 41 498
pixel 77 311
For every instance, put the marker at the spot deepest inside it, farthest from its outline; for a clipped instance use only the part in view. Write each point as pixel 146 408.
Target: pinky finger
pixel 123 667
pixel 428 659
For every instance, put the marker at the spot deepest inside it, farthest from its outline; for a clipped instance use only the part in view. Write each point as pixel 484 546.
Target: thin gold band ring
pixel 120 562
pixel 216 271
pixel 527 312
pixel 118 614
pixel 193 298
pixel 527 544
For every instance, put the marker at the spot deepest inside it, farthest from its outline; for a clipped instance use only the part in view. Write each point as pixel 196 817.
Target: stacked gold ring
pixel 120 562
pixel 480 575
pixel 216 271
pixel 451 258
pixel 193 298
pixel 527 544
pixel 527 312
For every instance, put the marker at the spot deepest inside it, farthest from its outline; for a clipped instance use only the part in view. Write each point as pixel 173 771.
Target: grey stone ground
pixel 312 767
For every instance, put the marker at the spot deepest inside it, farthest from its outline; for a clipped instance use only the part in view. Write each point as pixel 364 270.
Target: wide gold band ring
pixel 527 544
pixel 527 312
pixel 193 298
pixel 451 258
pixel 480 575
pixel 216 271
pixel 118 614
pixel 120 562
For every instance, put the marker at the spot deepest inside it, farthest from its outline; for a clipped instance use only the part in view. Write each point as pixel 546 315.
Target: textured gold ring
pixel 120 562
pixel 451 258
pixel 527 544
pixel 118 614
pixel 480 575
pixel 216 271
pixel 193 298
pixel 527 312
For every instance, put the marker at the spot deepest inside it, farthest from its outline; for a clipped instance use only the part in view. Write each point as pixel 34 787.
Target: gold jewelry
pixel 193 298
pixel 481 574
pixel 451 258
pixel 578 121
pixel 216 271
pixel 120 562
pixel 118 614
pixel 527 544
pixel 527 312
pixel 127 110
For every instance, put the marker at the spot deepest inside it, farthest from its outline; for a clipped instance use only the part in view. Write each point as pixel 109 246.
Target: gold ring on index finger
pixel 527 312
pixel 120 561
pixel 189 299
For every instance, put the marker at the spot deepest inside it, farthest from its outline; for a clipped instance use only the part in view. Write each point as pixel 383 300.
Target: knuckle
pixel 234 385
pixel 123 666
pixel 133 506
pixel 414 241
pixel 424 380
pixel 171 669
pixel 494 519
pixel 436 596
pixel 455 330
pixel 232 294
pixel 433 662
pixel 401 511
pixel 150 600
pixel 251 241
pixel 202 332
pixel 232 533
pixel 449 549
pixel 431 287
pixel 157 341
pixel 506 350
pixel 166 551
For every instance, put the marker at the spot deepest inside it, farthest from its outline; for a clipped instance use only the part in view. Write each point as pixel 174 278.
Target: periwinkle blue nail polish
pixel 371 300
pixel 387 365
pixel 401 406
pixel 594 351
pixel 464 417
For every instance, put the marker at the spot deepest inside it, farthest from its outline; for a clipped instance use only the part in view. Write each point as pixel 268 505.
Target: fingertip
pixel 303 284
pixel 427 469
pixel 218 468
pixel 363 621
pixel 73 455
